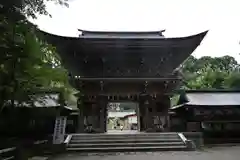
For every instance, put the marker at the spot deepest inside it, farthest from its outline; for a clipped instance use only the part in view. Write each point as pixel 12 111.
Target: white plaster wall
pixel 119 114
pixel 132 120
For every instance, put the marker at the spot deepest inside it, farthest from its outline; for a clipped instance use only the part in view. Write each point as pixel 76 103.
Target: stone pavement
pixel 216 153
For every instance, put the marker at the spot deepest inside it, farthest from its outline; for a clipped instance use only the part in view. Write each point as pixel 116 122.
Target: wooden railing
pixel 12 153
pixel 8 153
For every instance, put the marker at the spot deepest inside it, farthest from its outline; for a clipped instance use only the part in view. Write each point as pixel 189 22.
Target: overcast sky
pixel 178 17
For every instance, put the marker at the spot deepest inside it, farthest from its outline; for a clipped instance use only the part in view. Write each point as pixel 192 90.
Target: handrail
pixel 190 144
pixel 7 150
pixel 68 139
pixel 183 138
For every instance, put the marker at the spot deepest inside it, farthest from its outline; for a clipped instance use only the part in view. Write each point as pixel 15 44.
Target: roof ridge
pixel 158 32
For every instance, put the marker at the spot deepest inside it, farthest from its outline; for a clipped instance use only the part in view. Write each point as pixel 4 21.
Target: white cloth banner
pixel 59 130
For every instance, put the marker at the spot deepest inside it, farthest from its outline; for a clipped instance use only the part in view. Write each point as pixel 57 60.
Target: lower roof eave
pixel 201 105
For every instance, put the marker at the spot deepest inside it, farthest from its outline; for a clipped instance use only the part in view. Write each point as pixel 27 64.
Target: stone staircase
pixel 127 142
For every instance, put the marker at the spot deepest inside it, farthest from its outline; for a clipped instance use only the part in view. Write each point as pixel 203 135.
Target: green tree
pixel 207 72
pixel 27 7
pixel 27 63
pixel 233 80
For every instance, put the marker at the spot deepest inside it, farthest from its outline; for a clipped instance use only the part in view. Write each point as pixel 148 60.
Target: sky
pixel 179 17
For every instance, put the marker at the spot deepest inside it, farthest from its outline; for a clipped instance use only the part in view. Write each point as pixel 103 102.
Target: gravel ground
pixel 216 153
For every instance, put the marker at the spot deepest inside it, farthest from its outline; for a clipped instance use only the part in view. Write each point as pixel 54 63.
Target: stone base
pixel 38 158
pixel 95 130
pixel 190 145
pixel 58 148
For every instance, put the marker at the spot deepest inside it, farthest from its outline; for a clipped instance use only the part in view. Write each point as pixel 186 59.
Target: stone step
pixel 126 142
pixel 124 137
pixel 125 149
pixel 94 141
pixel 128 132
pixel 109 145
pixel 125 134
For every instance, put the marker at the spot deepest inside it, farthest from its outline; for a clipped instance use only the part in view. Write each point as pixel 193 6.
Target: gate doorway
pixel 123 117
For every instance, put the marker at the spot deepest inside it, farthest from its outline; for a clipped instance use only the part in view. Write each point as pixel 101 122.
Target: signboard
pixel 59 130
pixel 114 106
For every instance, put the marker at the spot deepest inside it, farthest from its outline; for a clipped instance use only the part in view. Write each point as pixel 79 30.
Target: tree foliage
pixel 28 7
pixel 27 62
pixel 207 72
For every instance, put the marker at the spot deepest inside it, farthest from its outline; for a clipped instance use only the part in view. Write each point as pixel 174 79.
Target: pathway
pixel 217 153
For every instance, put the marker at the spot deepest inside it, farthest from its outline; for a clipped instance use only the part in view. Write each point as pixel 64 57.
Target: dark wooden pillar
pixel 162 105
pixel 94 114
pixel 142 113
pixel 102 104
pixel 148 107
pixel 80 128
pixel 166 113
pixel 146 122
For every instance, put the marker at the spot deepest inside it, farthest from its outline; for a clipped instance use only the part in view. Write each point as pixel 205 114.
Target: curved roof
pixel 121 54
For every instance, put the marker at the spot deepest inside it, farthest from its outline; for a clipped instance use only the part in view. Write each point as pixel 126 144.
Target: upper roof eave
pixel 160 38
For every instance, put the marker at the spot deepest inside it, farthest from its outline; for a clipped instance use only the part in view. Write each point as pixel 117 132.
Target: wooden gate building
pixel 124 66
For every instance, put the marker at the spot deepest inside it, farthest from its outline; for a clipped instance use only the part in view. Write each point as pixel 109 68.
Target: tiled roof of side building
pixel 211 97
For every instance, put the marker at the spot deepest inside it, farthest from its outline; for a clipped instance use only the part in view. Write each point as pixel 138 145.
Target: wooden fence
pixel 23 151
